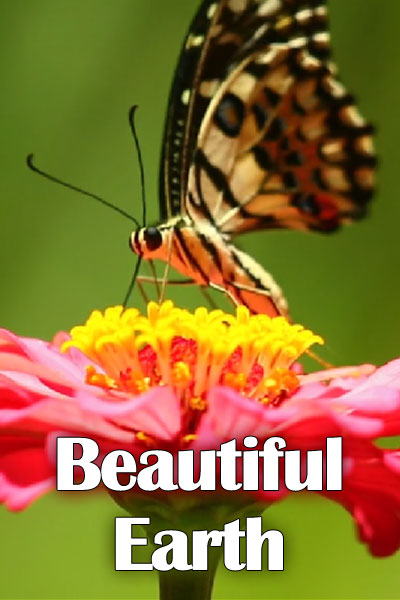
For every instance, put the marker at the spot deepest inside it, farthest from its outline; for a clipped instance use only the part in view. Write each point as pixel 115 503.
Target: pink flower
pixel 178 380
pixel 361 409
pixel 43 394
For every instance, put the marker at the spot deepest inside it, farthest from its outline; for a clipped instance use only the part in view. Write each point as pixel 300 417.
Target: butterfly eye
pixel 153 238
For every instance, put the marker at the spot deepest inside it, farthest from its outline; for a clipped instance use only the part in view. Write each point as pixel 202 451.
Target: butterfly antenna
pixel 132 112
pixel 324 363
pixel 35 169
pixel 132 281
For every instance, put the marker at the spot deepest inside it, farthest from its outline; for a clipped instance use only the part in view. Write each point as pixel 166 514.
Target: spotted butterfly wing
pixel 260 134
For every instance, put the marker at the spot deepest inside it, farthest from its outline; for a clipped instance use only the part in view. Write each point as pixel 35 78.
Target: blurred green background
pixel 70 69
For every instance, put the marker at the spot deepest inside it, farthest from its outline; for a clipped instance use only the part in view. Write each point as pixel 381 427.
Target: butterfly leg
pixel 139 282
pixel 159 281
pixel 207 296
pixel 223 290
pixel 249 288
pixel 166 271
pixel 154 273
pixel 324 363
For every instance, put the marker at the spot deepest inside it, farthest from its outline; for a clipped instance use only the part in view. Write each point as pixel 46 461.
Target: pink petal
pixel 19 497
pixel 360 426
pixel 157 412
pixel 231 415
pixel 373 399
pixel 386 376
pixel 25 472
pixel 37 357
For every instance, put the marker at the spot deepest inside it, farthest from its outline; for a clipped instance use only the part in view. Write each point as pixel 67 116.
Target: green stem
pixel 188 513
pixel 196 585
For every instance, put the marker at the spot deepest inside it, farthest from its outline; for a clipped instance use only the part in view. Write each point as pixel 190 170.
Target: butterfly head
pixel 146 241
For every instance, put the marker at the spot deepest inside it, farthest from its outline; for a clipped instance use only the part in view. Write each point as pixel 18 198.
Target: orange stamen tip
pixel 99 379
pixel 189 438
pixel 180 374
pixel 141 436
pixel 279 382
pixel 236 381
pixel 133 381
pixel 197 403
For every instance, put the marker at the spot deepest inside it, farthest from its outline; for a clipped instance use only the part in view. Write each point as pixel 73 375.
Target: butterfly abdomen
pixel 254 287
pixel 201 253
pixel 212 260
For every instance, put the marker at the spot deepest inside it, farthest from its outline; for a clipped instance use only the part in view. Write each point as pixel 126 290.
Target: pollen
pixel 133 381
pixel 278 385
pixel 180 374
pixel 197 403
pixel 236 381
pixel 141 436
pixel 192 352
pixel 190 437
pixel 99 379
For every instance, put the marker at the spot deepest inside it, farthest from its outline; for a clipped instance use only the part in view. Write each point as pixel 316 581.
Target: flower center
pixel 131 353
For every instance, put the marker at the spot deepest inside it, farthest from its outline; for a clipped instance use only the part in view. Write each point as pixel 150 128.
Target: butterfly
pixel 260 134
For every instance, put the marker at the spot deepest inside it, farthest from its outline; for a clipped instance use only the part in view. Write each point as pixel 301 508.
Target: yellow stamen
pixel 116 339
pixel 180 374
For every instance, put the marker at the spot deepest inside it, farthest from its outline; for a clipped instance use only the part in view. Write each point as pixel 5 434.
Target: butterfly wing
pixel 269 137
pixel 215 36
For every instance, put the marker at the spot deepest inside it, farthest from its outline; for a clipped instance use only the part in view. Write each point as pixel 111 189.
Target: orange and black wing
pixel 260 132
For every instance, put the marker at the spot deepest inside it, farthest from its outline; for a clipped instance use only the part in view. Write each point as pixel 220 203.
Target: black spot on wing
pixel 284 144
pixel 297 108
pixel 321 51
pixel 260 114
pixel 262 157
pixel 273 98
pixel 276 129
pixel 326 213
pixel 316 177
pixel 229 115
pixel 294 159
pixel 290 180
pixel 307 204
